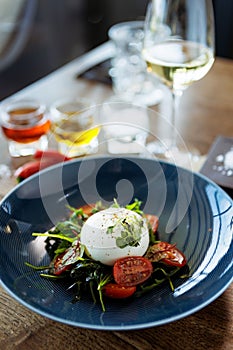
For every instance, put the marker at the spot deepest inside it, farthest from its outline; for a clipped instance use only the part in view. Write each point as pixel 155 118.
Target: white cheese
pixel 114 233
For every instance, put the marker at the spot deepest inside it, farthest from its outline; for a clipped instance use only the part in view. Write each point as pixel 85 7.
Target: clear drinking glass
pixel 130 78
pixel 125 126
pixel 179 55
pixel 74 126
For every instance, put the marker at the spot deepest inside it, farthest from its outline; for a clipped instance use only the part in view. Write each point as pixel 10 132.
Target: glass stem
pixel 176 95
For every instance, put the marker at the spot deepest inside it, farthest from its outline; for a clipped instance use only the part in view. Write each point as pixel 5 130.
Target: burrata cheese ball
pixel 114 233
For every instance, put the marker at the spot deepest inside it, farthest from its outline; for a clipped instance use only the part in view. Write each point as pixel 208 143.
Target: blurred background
pixel 61 30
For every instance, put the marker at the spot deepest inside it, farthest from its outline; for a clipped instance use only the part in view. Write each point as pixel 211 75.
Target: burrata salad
pixel 110 252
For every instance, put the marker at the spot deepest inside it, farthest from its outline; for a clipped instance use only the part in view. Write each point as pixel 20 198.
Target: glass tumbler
pixel 130 78
pixel 125 126
pixel 25 125
pixel 74 126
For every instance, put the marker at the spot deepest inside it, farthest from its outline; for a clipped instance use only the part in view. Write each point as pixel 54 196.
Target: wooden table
pixel 206 112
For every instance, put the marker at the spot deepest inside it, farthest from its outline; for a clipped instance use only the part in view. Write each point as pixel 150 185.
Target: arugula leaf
pixel 77 213
pixel 115 204
pixel 98 207
pixel 54 235
pixel 160 275
pixel 135 206
pixel 102 281
pixel 90 274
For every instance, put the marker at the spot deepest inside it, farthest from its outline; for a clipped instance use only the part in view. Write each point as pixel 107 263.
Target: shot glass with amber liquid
pixel 25 124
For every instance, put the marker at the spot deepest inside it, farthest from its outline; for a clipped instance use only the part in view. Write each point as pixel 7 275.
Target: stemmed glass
pixel 179 50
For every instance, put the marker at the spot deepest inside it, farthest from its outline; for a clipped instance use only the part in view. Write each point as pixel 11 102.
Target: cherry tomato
pixel 132 270
pixel 65 260
pixel 42 160
pixel 88 208
pixel 153 221
pixel 166 253
pixel 178 259
pixel 116 291
pixel 32 167
pixel 57 265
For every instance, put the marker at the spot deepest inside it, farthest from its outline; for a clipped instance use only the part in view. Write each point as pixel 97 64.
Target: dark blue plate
pixel 194 213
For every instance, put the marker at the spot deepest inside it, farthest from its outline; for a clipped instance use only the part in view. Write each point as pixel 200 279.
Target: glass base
pixel 179 155
pixel 128 145
pixel 17 149
pixel 78 151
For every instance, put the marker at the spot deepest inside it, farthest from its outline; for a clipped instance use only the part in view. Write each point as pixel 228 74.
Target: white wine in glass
pixel 179 50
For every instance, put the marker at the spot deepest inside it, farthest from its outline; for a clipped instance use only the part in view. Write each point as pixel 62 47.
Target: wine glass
pixel 179 50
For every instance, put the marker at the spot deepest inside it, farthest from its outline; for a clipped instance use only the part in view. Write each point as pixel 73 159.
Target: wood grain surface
pixel 206 111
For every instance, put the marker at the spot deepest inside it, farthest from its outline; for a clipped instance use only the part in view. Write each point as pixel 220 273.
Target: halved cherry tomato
pixel 153 221
pixel 65 260
pixel 116 291
pixel 166 253
pixel 58 267
pixel 178 258
pixel 132 270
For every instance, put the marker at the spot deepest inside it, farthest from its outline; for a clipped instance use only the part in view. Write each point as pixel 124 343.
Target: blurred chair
pixel 16 18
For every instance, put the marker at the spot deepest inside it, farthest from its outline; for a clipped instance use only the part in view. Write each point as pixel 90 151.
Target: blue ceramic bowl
pixel 194 213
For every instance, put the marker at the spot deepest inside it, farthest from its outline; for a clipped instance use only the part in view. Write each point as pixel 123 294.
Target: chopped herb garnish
pixel 130 231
